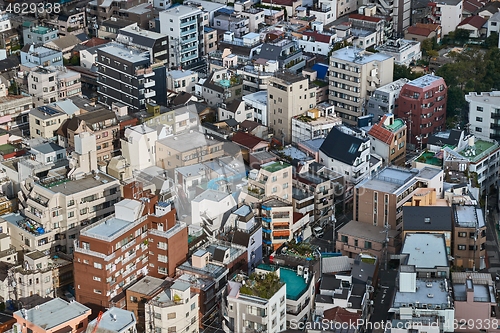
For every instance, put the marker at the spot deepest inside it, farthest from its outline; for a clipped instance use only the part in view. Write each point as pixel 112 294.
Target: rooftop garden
pixel 429 157
pixel 263 286
pixel 320 83
pixel 302 249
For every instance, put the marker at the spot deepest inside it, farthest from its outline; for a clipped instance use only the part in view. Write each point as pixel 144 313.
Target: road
pixel 383 300
pixel 327 242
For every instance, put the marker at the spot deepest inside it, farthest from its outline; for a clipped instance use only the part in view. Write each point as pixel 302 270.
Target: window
pixel 157 315
pixel 96 278
pixel 71 214
pixel 368 245
pixel 462 234
pixel 479 108
pixel 97 291
pixel 97 265
pixel 479 119
pixel 171 315
pixel 461 247
pixel 193 306
pixel 172 329
pixel 344 239
pixel 479 129
pixel 71 202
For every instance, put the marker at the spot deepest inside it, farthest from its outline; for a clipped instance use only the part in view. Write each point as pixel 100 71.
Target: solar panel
pixel 48 110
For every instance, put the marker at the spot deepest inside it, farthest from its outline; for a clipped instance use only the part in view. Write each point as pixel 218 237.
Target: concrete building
pixel 33 56
pixel 126 76
pixel 272 179
pixel 404 51
pixel 277 223
pixel 114 320
pixel 169 306
pixel 14 110
pixel 469 235
pixel 493 24
pixel 484 114
pixel 154 43
pixel 287 96
pixel 422 104
pixel 354 76
pixel 347 151
pixel 400 11
pixel 52 316
pixel 236 23
pixel 184 80
pixel 313 124
pixel 48 85
pixel 257 102
pixel 474 296
pixel 210 40
pixel 384 99
pixel 259 304
pixel 414 255
pixel 388 140
pixel 73 23
pixel 44 122
pixel 38 34
pixel 447 13
pixel 116 253
pixel 138 146
pixel 379 200
pixel 195 148
pixel 183 24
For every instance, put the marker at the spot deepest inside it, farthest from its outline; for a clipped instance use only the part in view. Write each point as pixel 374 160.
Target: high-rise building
pixel 184 26
pixel 422 104
pixel 484 114
pixel 354 75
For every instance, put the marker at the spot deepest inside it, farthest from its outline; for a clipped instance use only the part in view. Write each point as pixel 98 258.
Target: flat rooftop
pixel 189 141
pixel 366 231
pixel 109 228
pixel 468 216
pixel 115 320
pixel 492 97
pixel 425 250
pixel 479 150
pixel 211 195
pixel 429 291
pixel 296 285
pixel 181 10
pixel 274 166
pixel 389 180
pixel 123 52
pixel 256 97
pixel 350 54
pixel 425 81
pixel 176 74
pixel 54 313
pixel 148 285
pixel 71 186
pixel 393 86
pixel 482 292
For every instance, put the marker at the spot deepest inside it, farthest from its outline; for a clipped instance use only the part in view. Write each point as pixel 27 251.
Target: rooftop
pixel 54 313
pixel 393 86
pixel 366 231
pixel 147 286
pixel 425 81
pixel 69 186
pixel 482 292
pixel 479 150
pixel 427 218
pixel 261 287
pixel 468 216
pixel 429 292
pixel 177 74
pixel 389 180
pixel 189 141
pixel 115 320
pixel 181 10
pixel 127 53
pixel 296 284
pixel 358 56
pixel 289 77
pixel 492 97
pixel 425 250
pixel 274 166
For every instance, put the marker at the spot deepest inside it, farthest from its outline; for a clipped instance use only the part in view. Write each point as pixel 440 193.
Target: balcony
pixel 188 23
pixel 130 257
pixel 188 31
pixel 89 252
pixel 149 84
pixel 495 126
pixel 143 71
pixel 188 58
pixel 189 40
pixel 150 94
pixel 188 49
pixel 495 115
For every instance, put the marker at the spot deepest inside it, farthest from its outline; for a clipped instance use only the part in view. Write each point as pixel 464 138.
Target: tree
pixel 491 41
pixel 462 35
pixel 401 71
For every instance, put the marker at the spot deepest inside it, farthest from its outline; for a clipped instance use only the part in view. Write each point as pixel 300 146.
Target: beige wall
pixel 169 158
pixel 46 128
pixel 465 257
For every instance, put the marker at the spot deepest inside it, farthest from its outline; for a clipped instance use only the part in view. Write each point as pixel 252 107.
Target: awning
pixel 5 119
pixel 280 224
pixel 281 233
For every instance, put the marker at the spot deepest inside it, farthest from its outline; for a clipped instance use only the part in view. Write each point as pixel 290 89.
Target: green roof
pixel 276 166
pixel 264 287
pixel 397 124
pixel 479 150
pixel 429 157
pixel 7 149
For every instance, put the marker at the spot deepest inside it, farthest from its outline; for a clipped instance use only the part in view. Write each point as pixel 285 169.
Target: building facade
pixel 484 114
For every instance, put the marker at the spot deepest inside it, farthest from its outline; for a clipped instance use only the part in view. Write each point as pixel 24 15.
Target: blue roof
pixel 225 11
pixel 321 69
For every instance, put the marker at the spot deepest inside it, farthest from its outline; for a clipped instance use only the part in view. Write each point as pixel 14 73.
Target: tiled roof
pixel 246 140
pixel 419 31
pixel 364 18
pixel 322 38
pixel 475 21
pixel 380 133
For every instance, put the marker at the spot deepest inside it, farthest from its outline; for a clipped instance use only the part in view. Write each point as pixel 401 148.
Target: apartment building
pixel 44 122
pixel 272 179
pixel 177 120
pixel 125 75
pixel 237 23
pixel 287 97
pixel 117 250
pixel 404 51
pixel 447 13
pixel 12 110
pixel 380 199
pixel 256 77
pixel 285 51
pixel 347 151
pixel 101 124
pixel 183 24
pixel 388 140
pixel 138 146
pixel 132 11
pixel 73 23
pixel 277 223
pixel 209 280
pixel 257 102
pixel 182 81
pixel 354 75
pixel 116 320
pixel 422 104
pixel 49 84
pixel 384 99
pixel 210 40
pixel 484 114
pixel 469 235
pixel 33 56
pixel 169 306
pixel 474 298
pixel 313 124
pixel 255 303
pixel 413 255
pixel 195 148
pixel 154 43
pixel 54 315
pixel 37 34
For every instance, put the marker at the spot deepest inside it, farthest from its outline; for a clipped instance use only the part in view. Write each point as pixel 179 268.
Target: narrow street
pixel 327 242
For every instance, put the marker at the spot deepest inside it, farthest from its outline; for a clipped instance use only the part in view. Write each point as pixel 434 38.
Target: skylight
pixel 354 148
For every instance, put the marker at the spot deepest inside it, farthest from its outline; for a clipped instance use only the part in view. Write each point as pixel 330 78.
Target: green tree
pixel 462 36
pixel 491 41
pixel 401 71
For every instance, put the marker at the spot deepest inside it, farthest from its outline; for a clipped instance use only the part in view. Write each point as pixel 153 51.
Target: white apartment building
pixel 182 81
pixel 404 51
pixel 173 310
pixel 484 114
pixel 314 124
pixel 448 14
pixel 493 24
pixel 208 208
pixel 256 77
pixel 48 85
pixel 354 76
pixel 325 11
pixel 248 310
pixel 138 146
pixel 257 101
pixel 44 122
pixel 183 25
pixel 272 179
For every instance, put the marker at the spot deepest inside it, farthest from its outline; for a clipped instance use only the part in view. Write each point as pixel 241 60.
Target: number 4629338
pixel 33 8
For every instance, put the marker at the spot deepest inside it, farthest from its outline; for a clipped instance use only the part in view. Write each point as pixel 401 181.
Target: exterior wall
pixel 352 246
pixel 472 310
pixel 181 316
pixel 39 35
pixel 463 251
pixel 185 83
pixel 169 158
pixel 484 114
pixel 451 16
pixel 138 148
pixel 45 128
pixel 75 24
pixel 286 100
pixel 259 108
pixel 69 85
pixel 210 41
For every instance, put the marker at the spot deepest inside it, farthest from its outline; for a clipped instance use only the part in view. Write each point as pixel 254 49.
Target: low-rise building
pixel 53 316
pixel 388 140
pixel 315 123
pixel 257 102
pixel 415 255
pixel 114 320
pixel 45 121
pixel 255 302
pixel 384 99
pixel 171 305
pixel 404 51
pixel 182 80
pixel 37 34
pixel 272 179
pixel 469 237
pixel 33 56
pixel 484 114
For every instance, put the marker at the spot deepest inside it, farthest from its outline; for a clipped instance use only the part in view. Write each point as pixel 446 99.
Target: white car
pixel 318 232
